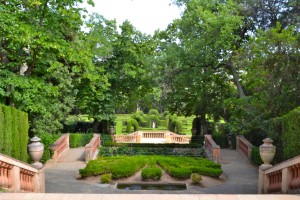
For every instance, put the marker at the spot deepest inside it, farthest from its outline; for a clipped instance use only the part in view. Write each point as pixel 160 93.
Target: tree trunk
pixel 95 125
pixel 236 80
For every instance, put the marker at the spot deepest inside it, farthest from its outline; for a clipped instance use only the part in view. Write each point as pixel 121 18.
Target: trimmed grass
pixel 125 166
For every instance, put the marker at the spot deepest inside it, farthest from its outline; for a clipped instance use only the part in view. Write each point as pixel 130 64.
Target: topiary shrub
pixel 139 112
pixel 105 178
pixel 138 118
pixel 132 122
pixel 152 173
pixel 196 178
pixel 178 126
pixel 153 112
pixel 153 118
pixel 180 173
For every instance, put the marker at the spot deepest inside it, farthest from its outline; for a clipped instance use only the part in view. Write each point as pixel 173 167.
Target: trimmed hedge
pixel 124 150
pixel 125 166
pixel 13 132
pixel 79 140
pixel 153 112
pixel 132 122
pixel 152 173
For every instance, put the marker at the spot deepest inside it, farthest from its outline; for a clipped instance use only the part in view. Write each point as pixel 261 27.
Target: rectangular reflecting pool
pixel 146 186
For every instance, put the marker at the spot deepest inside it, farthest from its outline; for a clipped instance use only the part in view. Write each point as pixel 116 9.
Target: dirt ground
pixel 137 178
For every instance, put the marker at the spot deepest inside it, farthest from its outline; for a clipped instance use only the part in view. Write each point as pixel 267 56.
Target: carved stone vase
pixel 36 150
pixel 267 152
pixel 112 130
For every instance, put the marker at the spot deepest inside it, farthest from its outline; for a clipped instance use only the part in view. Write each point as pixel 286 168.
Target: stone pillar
pixel 15 172
pixel 286 179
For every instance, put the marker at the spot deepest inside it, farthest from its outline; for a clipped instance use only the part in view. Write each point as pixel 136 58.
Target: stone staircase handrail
pixel 92 148
pixel 244 146
pixel 281 178
pixel 18 176
pixel 59 146
pixel 212 148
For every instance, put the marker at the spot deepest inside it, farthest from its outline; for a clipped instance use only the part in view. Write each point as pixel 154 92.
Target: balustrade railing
pixel 244 146
pixel 281 178
pixel 92 148
pixel 153 134
pixel 182 139
pixel 212 149
pixel 59 146
pixel 17 176
pixel 136 137
pixel 125 138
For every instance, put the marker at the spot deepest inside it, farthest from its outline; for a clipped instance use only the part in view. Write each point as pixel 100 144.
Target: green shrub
pixel 180 173
pixel 79 140
pixel 1 130
pixel 213 171
pixel 105 178
pixel 139 112
pixel 130 123
pixel 47 140
pixel 138 118
pixel 153 112
pixel 178 126
pixel 196 178
pixel 153 118
pixel 255 156
pixel 153 173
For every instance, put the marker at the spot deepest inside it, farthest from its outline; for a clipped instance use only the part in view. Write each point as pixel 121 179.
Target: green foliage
pixel 152 173
pixel 14 132
pixel 47 140
pixel 130 123
pixel 180 173
pixel 105 178
pixel 153 112
pixel 125 166
pixel 1 129
pixel 153 118
pixel 196 178
pixel 79 140
pixel 291 133
pixel 131 150
pixel 255 156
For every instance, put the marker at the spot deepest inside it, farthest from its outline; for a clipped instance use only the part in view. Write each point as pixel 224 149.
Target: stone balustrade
pixel 92 148
pixel 59 146
pixel 212 150
pixel 244 146
pixel 166 136
pixel 17 176
pixel 182 139
pixel 125 138
pixel 153 134
pixel 281 178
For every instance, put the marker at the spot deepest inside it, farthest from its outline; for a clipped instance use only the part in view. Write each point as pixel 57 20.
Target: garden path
pixel 241 177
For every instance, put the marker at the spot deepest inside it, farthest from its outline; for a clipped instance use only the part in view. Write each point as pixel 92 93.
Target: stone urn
pixel 112 130
pixel 267 152
pixel 36 150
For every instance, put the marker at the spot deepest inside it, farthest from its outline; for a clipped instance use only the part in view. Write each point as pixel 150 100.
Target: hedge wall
pixel 285 131
pixel 13 132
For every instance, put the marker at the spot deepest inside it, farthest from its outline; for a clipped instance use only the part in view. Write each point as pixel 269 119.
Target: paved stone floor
pixel 241 177
pixel 33 196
